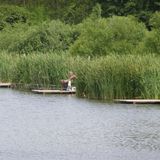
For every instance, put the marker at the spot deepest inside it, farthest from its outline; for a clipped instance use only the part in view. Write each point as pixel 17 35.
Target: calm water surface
pixel 36 127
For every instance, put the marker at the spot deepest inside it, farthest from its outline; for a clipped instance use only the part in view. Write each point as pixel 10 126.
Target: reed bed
pixel 42 70
pixel 109 77
pixel 7 64
pixel 121 77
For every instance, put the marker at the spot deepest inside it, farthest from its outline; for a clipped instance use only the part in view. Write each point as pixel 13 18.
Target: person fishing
pixel 66 84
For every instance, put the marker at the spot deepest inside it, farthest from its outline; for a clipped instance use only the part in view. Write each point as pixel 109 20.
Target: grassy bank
pixel 108 77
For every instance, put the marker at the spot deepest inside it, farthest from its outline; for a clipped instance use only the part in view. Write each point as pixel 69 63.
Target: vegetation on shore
pixel 109 77
pixel 113 56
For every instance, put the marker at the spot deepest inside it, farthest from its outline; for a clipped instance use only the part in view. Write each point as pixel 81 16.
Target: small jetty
pixel 42 91
pixel 138 101
pixel 5 85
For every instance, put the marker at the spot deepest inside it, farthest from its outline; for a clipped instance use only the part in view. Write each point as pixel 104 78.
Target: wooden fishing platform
pixel 42 91
pixel 5 85
pixel 138 101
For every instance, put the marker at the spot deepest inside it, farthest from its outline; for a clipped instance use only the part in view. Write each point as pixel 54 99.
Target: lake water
pixel 56 127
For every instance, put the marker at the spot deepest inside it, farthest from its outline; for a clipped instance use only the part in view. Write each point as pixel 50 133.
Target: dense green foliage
pixel 113 35
pixel 52 36
pixel 94 36
pixel 152 39
pixel 113 46
pixel 74 11
pixel 152 42
pixel 155 20
pixel 11 15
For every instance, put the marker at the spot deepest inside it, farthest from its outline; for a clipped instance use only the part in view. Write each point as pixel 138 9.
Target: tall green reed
pixel 42 69
pixel 109 77
pixel 7 64
pixel 120 77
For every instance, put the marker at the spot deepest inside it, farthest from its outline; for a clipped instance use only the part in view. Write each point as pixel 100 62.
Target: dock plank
pixel 138 101
pixel 53 92
pixel 5 85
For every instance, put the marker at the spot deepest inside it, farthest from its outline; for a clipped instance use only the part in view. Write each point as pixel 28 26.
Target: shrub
pixel 53 36
pixel 2 25
pixel 103 36
pixel 155 20
pixel 10 36
pixel 152 42
pixel 14 14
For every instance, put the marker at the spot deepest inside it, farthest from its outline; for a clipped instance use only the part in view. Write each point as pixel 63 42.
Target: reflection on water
pixel 56 127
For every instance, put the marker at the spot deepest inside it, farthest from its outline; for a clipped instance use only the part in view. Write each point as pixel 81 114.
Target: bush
pixel 10 36
pixel 103 36
pixel 155 20
pixel 53 36
pixel 152 42
pixel 14 14
pixel 2 25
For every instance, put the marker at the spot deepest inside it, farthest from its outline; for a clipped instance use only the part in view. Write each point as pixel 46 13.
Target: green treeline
pixel 112 46
pixel 23 31
pixel 74 11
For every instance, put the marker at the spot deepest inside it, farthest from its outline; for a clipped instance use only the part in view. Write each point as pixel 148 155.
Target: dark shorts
pixel 65 86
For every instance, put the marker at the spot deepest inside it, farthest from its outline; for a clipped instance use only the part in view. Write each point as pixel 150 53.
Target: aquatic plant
pixel 109 77
pixel 7 63
pixel 120 77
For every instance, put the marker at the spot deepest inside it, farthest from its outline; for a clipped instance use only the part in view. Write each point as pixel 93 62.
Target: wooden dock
pixel 138 101
pixel 5 85
pixel 53 92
